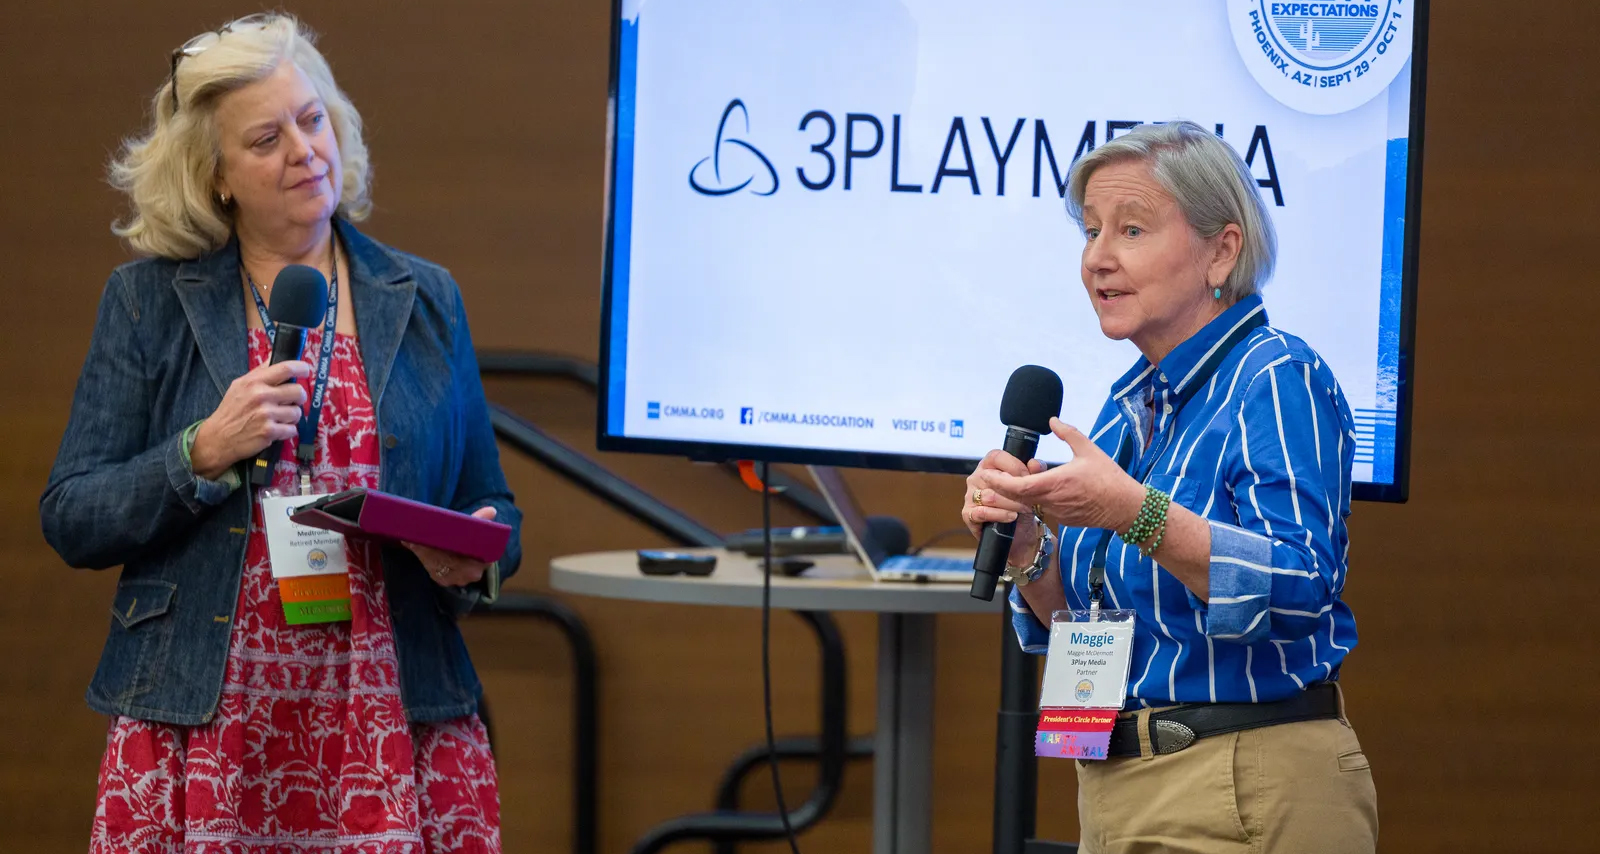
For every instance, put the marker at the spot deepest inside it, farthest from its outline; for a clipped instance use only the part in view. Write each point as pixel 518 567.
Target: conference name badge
pixel 1085 682
pixel 309 564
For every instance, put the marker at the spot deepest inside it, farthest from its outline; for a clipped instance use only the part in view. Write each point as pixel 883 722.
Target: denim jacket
pixel 169 339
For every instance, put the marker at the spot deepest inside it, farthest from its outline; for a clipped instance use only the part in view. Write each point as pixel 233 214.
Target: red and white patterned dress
pixel 309 752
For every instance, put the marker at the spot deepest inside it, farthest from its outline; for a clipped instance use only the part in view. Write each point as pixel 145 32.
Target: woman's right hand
pixel 994 508
pixel 260 408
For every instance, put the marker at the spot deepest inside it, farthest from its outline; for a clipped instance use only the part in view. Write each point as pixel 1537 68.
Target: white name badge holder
pixel 1089 658
pixel 1085 676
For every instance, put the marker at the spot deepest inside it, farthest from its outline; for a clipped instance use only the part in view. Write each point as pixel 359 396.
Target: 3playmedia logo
pixel 716 186
pixel 841 149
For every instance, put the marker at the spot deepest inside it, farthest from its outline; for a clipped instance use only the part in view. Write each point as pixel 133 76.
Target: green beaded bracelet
pixel 1152 509
pixel 1161 533
pixel 1146 509
pixel 1151 521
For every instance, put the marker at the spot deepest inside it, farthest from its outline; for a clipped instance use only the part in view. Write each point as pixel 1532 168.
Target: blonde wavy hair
pixel 170 173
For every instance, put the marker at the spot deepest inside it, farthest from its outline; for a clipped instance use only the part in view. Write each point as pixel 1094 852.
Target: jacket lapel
pixel 383 289
pixel 212 296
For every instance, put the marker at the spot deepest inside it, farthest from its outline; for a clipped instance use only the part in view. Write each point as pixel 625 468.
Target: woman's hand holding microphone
pixel 984 505
pixel 1090 491
pixel 260 409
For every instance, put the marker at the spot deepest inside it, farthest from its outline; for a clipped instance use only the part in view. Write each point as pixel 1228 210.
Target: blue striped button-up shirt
pixel 1259 440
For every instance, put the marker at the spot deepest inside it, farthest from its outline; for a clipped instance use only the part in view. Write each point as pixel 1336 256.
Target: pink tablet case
pixel 389 517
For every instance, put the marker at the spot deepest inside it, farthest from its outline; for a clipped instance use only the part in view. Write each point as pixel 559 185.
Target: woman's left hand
pixel 1092 491
pixel 448 568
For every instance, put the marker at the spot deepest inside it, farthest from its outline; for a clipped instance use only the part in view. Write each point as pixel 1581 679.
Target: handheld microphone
pixel 1032 398
pixel 299 303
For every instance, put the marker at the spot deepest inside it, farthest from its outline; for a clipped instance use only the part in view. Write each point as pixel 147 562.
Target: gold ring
pixel 977 497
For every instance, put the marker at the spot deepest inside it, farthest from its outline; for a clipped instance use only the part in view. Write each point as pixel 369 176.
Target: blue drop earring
pixel 1216 293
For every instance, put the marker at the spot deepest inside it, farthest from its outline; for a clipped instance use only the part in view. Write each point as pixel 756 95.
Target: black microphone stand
pixel 1016 769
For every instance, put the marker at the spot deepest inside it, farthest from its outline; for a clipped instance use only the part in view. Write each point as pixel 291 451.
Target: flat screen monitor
pixel 834 227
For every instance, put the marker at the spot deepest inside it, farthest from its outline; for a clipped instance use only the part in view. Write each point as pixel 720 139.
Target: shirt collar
pixel 1191 363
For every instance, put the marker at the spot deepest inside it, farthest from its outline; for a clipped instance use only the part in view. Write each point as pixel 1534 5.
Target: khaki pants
pixel 1299 788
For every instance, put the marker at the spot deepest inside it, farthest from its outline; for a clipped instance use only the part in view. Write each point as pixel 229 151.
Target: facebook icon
pixel 653 410
pixel 747 415
pixel 958 429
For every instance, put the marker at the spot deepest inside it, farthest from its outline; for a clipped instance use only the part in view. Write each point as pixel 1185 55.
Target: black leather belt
pixel 1171 730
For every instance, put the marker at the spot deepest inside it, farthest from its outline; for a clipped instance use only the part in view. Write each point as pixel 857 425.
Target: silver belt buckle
pixel 1169 737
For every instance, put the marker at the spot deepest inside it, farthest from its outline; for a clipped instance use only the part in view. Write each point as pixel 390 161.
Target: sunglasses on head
pixel 198 45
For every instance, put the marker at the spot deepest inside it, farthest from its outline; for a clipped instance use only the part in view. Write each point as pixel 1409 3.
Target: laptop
pixel 916 568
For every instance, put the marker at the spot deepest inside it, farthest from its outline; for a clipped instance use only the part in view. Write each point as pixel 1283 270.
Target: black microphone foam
pixel 299 297
pixel 1033 396
pixel 299 302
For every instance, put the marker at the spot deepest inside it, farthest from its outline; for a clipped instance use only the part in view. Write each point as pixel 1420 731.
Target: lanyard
pixel 306 448
pixel 1125 452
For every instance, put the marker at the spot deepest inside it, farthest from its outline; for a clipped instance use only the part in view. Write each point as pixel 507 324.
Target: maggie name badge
pixel 1085 682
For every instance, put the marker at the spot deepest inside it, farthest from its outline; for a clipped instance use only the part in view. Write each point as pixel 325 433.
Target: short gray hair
pixel 1211 183
pixel 170 173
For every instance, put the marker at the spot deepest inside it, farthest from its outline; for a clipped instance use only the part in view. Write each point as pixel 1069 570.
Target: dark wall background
pixel 1476 679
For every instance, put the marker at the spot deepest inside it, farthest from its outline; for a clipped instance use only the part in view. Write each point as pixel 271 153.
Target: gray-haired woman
pixel 1210 498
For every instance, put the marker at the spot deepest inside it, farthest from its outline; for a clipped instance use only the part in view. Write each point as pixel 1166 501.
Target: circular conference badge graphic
pixel 1322 58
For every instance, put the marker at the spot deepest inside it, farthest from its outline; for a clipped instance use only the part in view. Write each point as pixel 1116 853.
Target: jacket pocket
pixel 141 600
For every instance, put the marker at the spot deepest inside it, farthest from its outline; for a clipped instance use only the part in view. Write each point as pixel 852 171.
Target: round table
pixel 902 818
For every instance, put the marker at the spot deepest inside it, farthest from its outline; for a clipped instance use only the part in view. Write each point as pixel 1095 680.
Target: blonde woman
pixel 233 728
